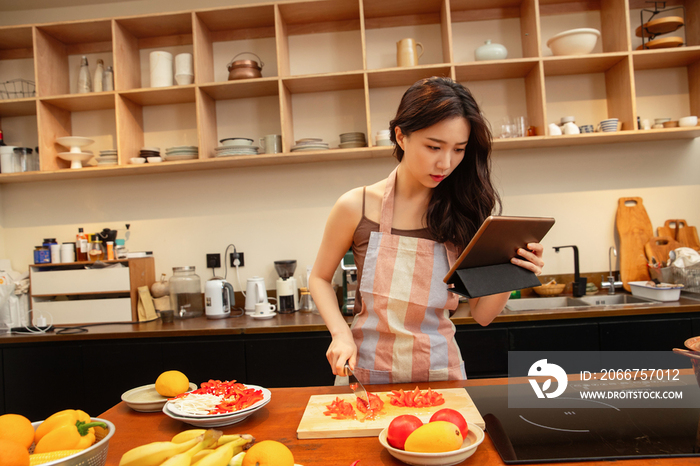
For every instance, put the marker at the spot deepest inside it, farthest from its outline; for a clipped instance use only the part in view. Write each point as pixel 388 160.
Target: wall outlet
pixel 213 261
pixel 237 256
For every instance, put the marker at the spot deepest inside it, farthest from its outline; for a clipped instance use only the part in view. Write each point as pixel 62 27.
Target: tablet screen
pixel 498 239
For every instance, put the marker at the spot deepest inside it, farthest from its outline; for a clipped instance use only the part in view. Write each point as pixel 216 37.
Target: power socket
pixel 213 261
pixel 239 256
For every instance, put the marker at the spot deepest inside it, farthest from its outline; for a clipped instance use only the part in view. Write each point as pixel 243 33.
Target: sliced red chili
pixel 340 409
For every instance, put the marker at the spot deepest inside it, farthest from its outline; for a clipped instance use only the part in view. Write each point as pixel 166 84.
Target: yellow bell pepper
pixel 68 437
pixel 67 416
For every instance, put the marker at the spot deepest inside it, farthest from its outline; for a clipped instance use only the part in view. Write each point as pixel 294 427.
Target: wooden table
pixel 280 418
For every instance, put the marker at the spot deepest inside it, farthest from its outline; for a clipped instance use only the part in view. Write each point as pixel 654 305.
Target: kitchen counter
pixel 280 418
pixel 298 322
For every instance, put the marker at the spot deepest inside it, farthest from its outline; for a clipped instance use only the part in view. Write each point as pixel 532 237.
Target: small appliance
pixel 287 299
pixel 218 297
pixel 255 293
pixel 349 283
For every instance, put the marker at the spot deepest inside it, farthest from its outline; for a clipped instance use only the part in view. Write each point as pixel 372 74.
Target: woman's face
pixel 432 153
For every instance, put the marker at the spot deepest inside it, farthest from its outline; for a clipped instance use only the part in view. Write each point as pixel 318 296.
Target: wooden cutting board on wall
pixel 314 424
pixel 635 231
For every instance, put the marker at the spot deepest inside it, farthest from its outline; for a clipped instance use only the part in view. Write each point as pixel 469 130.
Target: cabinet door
pixel 645 335
pixel 288 361
pixel 111 368
pixel 695 321
pixel 484 350
pixel 41 380
pixel 555 337
pixel 204 359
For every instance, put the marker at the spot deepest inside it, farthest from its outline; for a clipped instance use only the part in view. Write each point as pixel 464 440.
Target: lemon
pixel 434 437
pixel 172 383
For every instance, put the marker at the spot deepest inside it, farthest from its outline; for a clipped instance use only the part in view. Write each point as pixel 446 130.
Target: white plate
pixel 74 141
pixel 474 438
pixel 237 146
pixel 173 157
pixel 146 399
pixel 266 399
pixel 263 316
pixel 207 423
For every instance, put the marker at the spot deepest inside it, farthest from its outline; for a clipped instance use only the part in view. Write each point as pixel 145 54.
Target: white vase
pixel 490 51
pixel 161 69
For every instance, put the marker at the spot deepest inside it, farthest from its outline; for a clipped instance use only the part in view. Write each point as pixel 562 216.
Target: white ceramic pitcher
pixel 254 293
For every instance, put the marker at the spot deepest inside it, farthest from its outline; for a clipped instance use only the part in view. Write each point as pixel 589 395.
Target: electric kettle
pixel 255 293
pixel 218 297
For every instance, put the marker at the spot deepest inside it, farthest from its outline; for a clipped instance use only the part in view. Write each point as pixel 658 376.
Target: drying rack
pixel 649 36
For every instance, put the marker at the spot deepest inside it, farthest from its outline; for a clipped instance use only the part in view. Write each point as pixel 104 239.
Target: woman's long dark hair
pixel 463 200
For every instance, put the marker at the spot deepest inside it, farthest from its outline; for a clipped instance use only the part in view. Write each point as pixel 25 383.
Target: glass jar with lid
pixel 186 293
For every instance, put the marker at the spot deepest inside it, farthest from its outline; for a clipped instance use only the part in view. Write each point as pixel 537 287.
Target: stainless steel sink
pixel 583 303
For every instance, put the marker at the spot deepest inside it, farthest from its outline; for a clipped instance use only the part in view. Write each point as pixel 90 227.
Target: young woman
pixel 405 232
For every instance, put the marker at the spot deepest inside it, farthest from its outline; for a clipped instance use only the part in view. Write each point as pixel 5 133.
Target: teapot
pixel 255 293
pixel 245 69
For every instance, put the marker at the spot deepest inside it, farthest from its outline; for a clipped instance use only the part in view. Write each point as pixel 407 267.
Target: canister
pixel 186 293
pixel 68 252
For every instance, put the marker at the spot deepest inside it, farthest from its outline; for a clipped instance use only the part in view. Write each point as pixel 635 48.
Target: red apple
pixel 453 416
pixel 400 428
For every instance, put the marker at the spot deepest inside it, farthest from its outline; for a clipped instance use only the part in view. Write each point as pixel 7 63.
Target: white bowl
pixel 473 440
pixel 688 121
pixel 574 41
pixel 236 142
pixel 154 159
pixel 137 160
pixel 146 399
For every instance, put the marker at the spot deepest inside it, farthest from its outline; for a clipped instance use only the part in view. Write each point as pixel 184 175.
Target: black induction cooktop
pixel 529 435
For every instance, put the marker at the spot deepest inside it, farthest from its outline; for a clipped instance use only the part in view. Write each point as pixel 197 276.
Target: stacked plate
pixel 350 140
pixel 217 420
pixel 146 152
pixel 107 157
pixel 235 149
pixel 309 144
pixel 181 153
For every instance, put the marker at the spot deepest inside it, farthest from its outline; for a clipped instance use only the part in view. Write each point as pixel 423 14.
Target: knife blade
pixel 356 386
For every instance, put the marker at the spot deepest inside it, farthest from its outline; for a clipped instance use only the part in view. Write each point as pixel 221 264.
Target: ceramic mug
pixel 570 128
pixel 271 144
pixel 407 53
pixel 608 126
pixel 586 128
pixel 264 309
pixel 554 130
pixel 161 69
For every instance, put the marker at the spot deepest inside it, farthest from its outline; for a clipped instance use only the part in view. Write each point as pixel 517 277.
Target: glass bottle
pixel 186 293
pixel 99 77
pixel 81 246
pixel 84 80
pixel 108 83
pixel 306 302
pixel 2 139
pixel 95 250
pixel 120 251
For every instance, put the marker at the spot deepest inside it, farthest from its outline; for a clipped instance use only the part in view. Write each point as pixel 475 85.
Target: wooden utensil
pixel 314 424
pixel 635 231
pixel 663 43
pixel 686 235
pixel 659 26
pixel 658 248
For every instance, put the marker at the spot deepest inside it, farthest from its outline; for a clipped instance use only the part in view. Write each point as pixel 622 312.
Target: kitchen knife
pixel 356 386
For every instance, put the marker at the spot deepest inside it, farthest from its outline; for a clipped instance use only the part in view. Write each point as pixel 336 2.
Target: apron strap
pixel 387 214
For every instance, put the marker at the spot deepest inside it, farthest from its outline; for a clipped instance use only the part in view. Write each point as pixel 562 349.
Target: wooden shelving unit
pixel 125 39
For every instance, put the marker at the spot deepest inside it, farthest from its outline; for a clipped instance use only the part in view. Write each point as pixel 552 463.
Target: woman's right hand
pixel 341 350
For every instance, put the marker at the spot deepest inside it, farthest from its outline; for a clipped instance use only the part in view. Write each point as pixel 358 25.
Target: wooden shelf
pixel 124 38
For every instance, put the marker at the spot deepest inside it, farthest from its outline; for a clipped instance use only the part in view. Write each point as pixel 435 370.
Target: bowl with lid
pixel 245 69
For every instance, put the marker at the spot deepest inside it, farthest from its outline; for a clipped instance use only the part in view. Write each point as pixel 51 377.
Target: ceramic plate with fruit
pixel 445 440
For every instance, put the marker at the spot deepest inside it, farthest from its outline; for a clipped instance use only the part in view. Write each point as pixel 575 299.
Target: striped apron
pixel 403 332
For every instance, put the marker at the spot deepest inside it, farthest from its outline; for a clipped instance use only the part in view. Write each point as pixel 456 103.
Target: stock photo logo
pixel 542 368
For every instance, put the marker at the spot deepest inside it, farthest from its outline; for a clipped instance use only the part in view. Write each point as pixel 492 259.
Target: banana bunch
pixel 196 447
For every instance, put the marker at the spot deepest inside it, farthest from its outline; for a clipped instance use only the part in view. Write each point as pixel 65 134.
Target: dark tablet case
pixel 484 267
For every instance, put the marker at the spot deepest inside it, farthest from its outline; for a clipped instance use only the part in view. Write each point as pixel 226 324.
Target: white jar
pixel 6 163
pixel 67 252
pixel 490 51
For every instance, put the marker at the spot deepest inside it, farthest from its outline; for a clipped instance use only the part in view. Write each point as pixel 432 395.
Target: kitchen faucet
pixel 579 284
pixel 611 284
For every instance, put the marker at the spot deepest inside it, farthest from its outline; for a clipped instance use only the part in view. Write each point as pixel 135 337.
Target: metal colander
pixel 96 455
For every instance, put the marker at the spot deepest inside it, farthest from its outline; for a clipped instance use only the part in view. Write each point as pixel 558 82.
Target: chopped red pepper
pixel 416 398
pixel 236 396
pixel 375 404
pixel 340 409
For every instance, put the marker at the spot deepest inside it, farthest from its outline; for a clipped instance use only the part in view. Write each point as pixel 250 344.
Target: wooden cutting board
pixel 679 230
pixel 314 424
pixel 658 247
pixel 635 231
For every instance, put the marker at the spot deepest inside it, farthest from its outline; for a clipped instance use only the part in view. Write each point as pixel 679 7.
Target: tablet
pixel 498 239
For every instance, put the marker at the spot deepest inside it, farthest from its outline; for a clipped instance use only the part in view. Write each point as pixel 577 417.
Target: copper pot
pixel 244 69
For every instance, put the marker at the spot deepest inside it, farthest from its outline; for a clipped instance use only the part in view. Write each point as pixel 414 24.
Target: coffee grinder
pixel 287 299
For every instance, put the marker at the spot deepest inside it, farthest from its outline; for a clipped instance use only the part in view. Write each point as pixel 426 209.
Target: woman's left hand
pixel 530 258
